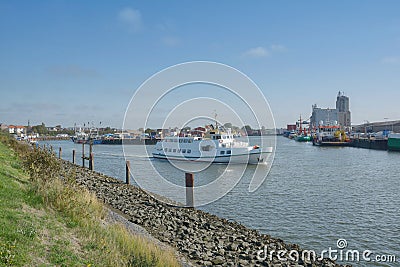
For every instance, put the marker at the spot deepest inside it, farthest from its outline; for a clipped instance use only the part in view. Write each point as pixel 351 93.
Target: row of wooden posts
pixel 189 177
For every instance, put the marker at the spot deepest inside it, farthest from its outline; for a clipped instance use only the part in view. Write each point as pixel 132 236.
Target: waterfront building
pixel 3 126
pixel 16 129
pixel 323 116
pixel 291 127
pixel 340 115
pixel 343 110
pixel 372 127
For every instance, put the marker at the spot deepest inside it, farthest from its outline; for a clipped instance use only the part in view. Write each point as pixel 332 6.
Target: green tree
pixel 40 129
pixel 228 125
pixel 247 128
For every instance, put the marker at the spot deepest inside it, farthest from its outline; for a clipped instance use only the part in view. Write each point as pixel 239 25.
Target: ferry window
pixel 166 149
pixel 179 150
pixel 190 140
pixel 213 137
pixel 218 137
pixel 183 150
pixel 228 152
pixel 169 150
pixel 222 152
pixel 189 151
pixel 185 141
pixel 174 150
pixel 180 140
pixel 207 148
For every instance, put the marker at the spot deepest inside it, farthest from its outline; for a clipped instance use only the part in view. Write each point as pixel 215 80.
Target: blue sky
pixel 66 62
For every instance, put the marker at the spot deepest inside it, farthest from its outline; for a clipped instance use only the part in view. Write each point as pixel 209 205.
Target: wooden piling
pixel 83 155
pixel 90 147
pixel 189 177
pixel 91 162
pixel 128 172
pixel 73 156
pixel 59 153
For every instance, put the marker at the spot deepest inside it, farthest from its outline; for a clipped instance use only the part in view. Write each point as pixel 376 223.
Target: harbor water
pixel 313 196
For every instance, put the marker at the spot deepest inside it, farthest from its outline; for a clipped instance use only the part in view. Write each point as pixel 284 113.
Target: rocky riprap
pixel 205 239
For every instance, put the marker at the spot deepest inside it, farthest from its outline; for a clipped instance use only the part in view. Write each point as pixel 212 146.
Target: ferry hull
pixel 251 158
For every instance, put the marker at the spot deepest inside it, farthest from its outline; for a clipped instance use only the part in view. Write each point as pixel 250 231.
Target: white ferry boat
pixel 219 148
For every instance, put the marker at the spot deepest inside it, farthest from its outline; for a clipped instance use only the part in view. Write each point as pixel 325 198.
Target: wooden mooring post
pixel 189 177
pixel 83 155
pixel 59 153
pixel 128 172
pixel 73 156
pixel 91 161
pixel 90 158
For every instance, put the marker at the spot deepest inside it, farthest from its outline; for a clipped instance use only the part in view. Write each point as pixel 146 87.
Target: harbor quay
pixel 333 127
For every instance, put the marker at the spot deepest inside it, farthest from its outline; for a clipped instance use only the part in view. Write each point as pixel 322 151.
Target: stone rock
pixel 218 260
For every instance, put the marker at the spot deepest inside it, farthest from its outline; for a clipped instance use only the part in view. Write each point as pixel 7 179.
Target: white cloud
pixel 171 41
pixel 132 18
pixel 391 60
pixel 278 48
pixel 257 52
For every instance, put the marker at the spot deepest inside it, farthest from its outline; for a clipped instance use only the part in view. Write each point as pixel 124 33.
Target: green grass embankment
pixel 47 220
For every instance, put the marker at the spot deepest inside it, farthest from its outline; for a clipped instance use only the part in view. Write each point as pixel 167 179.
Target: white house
pixel 16 129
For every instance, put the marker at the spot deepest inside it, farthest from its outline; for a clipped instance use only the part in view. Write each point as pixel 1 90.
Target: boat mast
pixel 301 129
pixel 216 122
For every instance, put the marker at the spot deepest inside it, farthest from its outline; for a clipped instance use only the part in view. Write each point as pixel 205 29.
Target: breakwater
pixel 203 238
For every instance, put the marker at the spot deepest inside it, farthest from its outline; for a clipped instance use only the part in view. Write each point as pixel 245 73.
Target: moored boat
pixel 394 142
pixel 331 135
pixel 303 134
pixel 303 138
pixel 84 138
pixel 80 138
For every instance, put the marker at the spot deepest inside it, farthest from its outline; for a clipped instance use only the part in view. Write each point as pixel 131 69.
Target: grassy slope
pixel 44 227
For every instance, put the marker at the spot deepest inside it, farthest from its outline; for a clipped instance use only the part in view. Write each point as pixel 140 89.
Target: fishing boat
pixel 303 138
pixel 330 135
pixel 80 137
pixel 394 142
pixel 303 134
pixel 220 147
pixel 84 138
